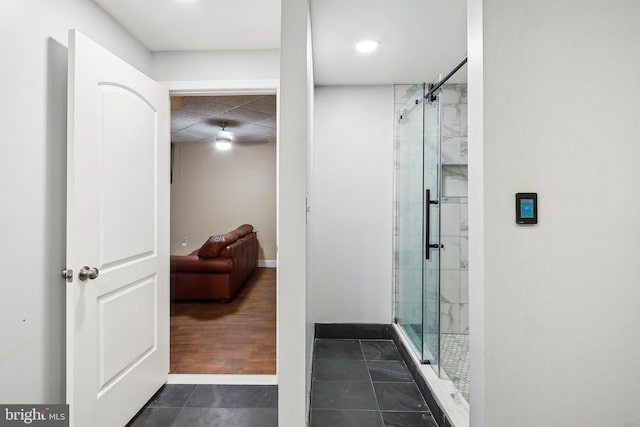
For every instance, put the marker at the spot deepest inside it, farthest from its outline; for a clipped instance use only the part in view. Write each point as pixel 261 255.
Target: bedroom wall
pixel 33 83
pixel 214 191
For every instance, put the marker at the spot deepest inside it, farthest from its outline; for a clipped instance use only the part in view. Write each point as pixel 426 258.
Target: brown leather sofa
pixel 217 269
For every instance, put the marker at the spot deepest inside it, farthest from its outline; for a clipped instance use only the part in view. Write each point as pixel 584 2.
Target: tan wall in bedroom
pixel 215 191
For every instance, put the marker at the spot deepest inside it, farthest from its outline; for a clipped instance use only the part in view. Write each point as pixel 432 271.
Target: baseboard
pixel 363 331
pixel 267 263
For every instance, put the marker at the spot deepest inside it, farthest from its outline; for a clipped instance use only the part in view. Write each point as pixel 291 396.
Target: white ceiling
pixel 199 24
pixel 419 39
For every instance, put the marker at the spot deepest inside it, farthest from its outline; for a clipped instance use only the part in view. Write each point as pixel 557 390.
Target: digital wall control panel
pixel 527 208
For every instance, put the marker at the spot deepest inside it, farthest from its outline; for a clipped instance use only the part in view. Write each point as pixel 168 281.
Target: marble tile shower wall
pixel 454 278
pixel 454 266
pixel 454 231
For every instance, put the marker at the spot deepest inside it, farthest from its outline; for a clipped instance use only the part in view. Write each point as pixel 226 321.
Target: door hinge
pixel 68 274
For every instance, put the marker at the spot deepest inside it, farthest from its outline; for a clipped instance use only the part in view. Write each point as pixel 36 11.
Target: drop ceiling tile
pixel 242 115
pixel 196 132
pixel 270 123
pixel 205 105
pixel 250 134
pixel 198 118
pixel 264 104
pixel 234 100
pixel 253 130
pixel 184 119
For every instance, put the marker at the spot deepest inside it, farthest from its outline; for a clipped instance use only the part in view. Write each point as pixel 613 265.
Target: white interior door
pixel 117 226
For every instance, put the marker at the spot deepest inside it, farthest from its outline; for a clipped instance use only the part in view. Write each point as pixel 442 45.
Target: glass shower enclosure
pixel 418 224
pixel 431 234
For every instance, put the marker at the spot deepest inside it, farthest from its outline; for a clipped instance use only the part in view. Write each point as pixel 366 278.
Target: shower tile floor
pixel 454 360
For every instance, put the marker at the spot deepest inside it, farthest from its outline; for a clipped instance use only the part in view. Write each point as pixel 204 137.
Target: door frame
pixel 228 88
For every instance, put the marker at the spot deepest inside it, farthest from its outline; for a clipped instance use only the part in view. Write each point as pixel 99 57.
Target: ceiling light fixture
pixel 223 145
pixel 367 46
pixel 224 138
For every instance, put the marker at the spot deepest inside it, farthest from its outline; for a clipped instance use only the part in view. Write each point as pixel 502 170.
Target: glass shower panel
pixel 429 236
pixel 409 219
pixel 431 269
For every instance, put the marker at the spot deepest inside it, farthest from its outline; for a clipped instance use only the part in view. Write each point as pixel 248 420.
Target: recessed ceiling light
pixel 367 46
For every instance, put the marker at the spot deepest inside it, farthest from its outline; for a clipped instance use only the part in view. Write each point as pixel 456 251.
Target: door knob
pixel 88 273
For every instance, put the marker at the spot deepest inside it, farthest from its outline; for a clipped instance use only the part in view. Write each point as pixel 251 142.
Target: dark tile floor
pixel 190 405
pixel 364 383
pixel 356 383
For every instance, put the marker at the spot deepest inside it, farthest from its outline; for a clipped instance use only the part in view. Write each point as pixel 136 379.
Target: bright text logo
pixel 34 415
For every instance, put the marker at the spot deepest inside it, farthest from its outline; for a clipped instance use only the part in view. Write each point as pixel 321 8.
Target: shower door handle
pixel 427 225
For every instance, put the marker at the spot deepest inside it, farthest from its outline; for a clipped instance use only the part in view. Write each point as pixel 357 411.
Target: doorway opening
pixel 223 234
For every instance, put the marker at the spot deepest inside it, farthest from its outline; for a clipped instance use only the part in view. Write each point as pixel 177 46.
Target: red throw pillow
pixel 213 247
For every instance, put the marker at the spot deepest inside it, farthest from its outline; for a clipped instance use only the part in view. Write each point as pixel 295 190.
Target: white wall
pixel 310 337
pixel 475 147
pixel 216 65
pixel 352 207
pixel 33 82
pixel 295 102
pixel 561 110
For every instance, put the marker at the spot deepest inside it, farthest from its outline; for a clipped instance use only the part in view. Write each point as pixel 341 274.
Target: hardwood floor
pixel 238 337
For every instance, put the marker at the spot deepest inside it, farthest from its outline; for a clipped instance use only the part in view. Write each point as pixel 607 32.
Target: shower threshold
pixel 447 395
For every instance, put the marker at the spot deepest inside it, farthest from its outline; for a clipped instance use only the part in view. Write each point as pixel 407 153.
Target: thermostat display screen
pixel 526 208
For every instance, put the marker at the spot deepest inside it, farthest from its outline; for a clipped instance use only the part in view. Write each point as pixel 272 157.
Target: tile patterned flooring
pixel 356 383
pixel 364 383
pixel 190 405
pixel 454 359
